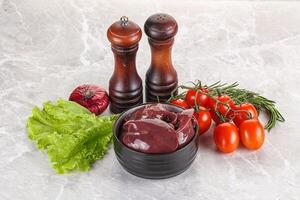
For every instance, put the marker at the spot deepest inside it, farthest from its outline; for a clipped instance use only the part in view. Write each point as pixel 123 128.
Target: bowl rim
pixel 152 154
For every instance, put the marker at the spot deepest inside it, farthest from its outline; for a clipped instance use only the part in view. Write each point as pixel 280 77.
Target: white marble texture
pixel 49 47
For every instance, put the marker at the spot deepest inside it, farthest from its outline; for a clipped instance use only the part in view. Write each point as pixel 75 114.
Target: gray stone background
pixel 49 47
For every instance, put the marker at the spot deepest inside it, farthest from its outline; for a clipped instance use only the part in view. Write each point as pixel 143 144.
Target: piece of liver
pixel 150 136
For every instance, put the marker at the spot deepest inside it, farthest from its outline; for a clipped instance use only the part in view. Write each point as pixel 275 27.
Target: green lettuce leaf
pixel 71 135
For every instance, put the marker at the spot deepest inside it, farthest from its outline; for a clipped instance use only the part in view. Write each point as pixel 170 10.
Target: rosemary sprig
pixel 240 96
pixel 261 103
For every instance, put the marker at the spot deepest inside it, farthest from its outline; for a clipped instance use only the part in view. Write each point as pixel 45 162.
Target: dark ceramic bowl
pixel 153 166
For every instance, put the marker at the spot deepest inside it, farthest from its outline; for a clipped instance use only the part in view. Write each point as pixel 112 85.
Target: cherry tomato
pixel 201 99
pixel 226 137
pixel 220 107
pixel 181 103
pixel 243 115
pixel 204 120
pixel 252 134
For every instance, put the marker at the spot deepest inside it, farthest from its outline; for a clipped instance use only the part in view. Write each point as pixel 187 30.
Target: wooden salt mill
pixel 161 77
pixel 125 85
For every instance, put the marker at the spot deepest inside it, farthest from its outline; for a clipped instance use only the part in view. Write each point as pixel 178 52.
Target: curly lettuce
pixel 71 135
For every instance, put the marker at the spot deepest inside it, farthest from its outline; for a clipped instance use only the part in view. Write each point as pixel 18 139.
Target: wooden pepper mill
pixel 125 85
pixel 161 77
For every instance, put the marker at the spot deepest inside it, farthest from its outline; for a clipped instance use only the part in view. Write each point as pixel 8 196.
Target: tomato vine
pixel 236 94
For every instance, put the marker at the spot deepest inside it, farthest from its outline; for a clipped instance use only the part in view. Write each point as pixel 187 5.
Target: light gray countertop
pixel 49 47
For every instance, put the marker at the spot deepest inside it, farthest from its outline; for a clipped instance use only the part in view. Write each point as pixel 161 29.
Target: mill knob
pixel 124 33
pixel 161 27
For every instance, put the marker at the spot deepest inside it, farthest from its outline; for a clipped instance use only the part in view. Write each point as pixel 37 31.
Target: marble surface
pixel 49 47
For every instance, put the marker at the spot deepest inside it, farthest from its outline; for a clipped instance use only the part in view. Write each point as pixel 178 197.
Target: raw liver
pixel 150 136
pixel 154 129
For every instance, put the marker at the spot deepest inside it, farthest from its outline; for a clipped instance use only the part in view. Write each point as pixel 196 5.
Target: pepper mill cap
pixel 124 33
pixel 161 26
